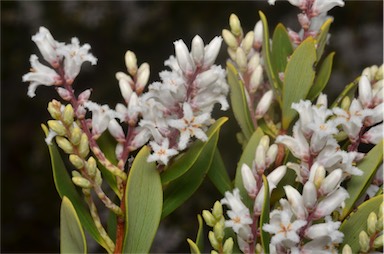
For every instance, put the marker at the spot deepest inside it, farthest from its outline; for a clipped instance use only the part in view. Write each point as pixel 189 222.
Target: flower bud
pixel 309 195
pixel 263 105
pixel 345 103
pixel 347 249
pixel 230 39
pixel 271 154
pixel 76 173
pixel 131 62
pixel 264 141
pixel 304 20
pixel 296 202
pixel 98 179
pixel 83 147
pixel 214 252
pixel 183 57
pixel 330 203
pixel 363 241
pixel 76 161
pixel 378 242
pixel 68 115
pixel 211 51
pixel 206 78
pixel 276 175
pixel 218 231
pixel 217 210
pixel 75 135
pixel 322 100
pixel 231 53
pixel 228 246
pixel 64 144
pixel 116 130
pixel 258 32
pixel 319 176
pixel 208 218
pixel 57 127
pixel 54 109
pixel 365 91
pixel 215 244
pixel 371 223
pixel 249 181
pixel 142 77
pixel 379 224
pixel 125 82
pixel 256 79
pixel 379 73
pixel 260 158
pixel 247 42
pixel 91 167
pixel 84 96
pixel 331 182
pixel 81 182
pixel 241 59
pixel 64 93
pixel 254 62
pixel 235 25
pixel 197 50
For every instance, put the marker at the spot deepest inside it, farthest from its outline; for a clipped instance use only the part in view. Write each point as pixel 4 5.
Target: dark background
pixel 29 202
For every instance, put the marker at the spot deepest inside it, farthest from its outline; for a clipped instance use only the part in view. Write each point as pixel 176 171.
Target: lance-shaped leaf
pixel 65 187
pixel 322 77
pixel 359 184
pixel 264 217
pixel 357 222
pixel 321 38
pixel 247 157
pixel 143 200
pixel 239 101
pixel 218 174
pixel 298 79
pixel 178 191
pixel 72 238
pixel 184 162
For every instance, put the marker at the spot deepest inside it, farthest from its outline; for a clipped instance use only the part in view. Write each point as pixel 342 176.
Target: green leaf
pixel 264 217
pixel 298 79
pixel 183 163
pixel 112 225
pixel 247 158
pixel 239 101
pixel 281 50
pixel 357 185
pixel 72 238
pixel 266 53
pixel 108 147
pixel 321 38
pixel 322 77
pixel 200 233
pixel 349 91
pixel 178 191
pixel 358 222
pixel 143 200
pixel 218 174
pixel 65 187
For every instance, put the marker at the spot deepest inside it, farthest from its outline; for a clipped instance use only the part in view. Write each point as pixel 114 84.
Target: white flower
pixel 282 228
pixel 48 46
pixel 161 153
pixel 331 203
pixel 329 228
pixel 40 75
pixel 101 116
pixel 322 6
pixel 190 126
pixel 297 144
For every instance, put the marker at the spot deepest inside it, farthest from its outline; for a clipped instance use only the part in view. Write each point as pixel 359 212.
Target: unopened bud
pixel 263 105
pixel 241 59
pixel 212 239
pixel 142 77
pixel 254 62
pixel 331 182
pixel 116 130
pixel 184 59
pixel 309 195
pixel 258 32
pixel 76 161
pixel 98 179
pixel 214 252
pixel 125 85
pixel 54 109
pixel 231 53
pixel 57 127
pixel 365 91
pixel 75 135
pixel 247 42
pixel 217 210
pixel 271 154
pixel 260 158
pixel 378 242
pixel 364 241
pixel 256 79
pixel 379 73
pixel 276 175
pixel 347 249
pixel 264 141
pixel 193 247
pixel 259 249
pixel 249 181
pixel 131 62
pixel 322 100
pixel 64 144
pixel 235 25
pixel 68 115
pixel 197 50
pixel 81 182
pixel 76 173
pixel 371 223
pixel 228 246
pixel 379 224
pixel 64 93
pixel 304 20
pixel 218 230
pixel 230 39
pixel 208 218
pixel 91 167
pixel 345 103
pixel 84 96
pixel 83 147
pixel 319 176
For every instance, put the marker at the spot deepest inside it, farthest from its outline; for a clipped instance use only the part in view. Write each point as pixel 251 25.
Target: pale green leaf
pixel 218 174
pixel 200 233
pixel 321 38
pixel 264 217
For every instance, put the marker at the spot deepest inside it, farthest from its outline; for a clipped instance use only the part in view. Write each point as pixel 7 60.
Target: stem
pixel 120 228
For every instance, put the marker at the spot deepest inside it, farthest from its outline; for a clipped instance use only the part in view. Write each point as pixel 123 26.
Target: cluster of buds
pixel 215 220
pixel 245 52
pixel 371 239
pixel 312 17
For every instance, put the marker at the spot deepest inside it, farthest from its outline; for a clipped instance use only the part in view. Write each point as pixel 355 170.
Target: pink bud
pixel 64 93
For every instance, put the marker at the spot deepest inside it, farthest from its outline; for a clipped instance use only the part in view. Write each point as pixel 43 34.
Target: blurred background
pixel 29 202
